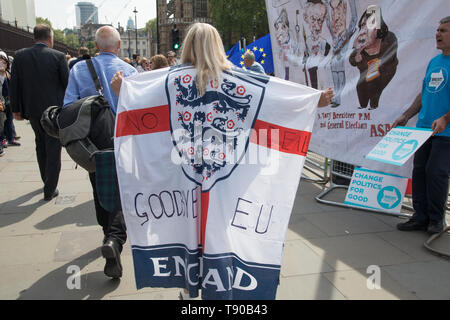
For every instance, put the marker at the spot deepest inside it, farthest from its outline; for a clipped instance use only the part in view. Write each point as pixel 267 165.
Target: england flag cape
pixel 207 183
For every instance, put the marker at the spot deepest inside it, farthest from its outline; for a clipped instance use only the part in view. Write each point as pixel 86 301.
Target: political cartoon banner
pixel 373 53
pixel 207 183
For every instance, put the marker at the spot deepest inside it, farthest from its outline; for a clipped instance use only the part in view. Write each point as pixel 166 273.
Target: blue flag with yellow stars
pixel 262 48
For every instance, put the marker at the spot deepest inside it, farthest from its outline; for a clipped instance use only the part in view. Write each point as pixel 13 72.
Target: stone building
pixel 146 45
pixel 181 13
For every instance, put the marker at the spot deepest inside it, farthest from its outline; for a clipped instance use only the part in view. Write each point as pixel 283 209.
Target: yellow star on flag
pixel 242 57
pixel 262 61
pixel 255 48
pixel 242 63
pixel 264 55
pixel 261 50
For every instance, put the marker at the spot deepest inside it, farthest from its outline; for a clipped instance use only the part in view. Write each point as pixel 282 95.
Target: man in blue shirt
pixel 432 160
pixel 107 41
pixel 251 64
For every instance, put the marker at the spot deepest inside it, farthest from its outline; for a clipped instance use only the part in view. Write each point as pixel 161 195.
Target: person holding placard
pixel 432 160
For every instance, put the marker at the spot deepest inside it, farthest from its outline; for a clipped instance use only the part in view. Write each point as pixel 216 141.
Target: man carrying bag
pixel 107 41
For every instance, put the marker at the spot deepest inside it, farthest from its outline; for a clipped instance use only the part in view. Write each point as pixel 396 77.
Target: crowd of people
pixel 41 77
pixel 8 136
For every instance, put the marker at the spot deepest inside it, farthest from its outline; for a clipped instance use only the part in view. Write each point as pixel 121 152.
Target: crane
pixel 121 12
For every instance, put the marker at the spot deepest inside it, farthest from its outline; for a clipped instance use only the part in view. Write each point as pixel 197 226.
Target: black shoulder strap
pixel 94 76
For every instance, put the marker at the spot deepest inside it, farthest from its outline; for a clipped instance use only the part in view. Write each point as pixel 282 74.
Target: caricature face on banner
pixel 373 53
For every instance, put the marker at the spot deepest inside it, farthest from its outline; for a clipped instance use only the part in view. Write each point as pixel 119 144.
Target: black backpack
pixel 84 127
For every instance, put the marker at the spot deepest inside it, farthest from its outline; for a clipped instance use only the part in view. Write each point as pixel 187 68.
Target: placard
pixel 376 190
pixel 399 145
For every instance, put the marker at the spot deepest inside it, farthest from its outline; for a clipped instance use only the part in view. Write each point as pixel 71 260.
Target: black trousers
pixel 48 153
pixel 430 180
pixel 113 223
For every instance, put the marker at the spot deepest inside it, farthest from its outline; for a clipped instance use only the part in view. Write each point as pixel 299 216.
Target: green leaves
pixel 235 19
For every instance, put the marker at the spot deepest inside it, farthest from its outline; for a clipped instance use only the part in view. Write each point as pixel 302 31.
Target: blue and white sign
pixel 399 145
pixel 376 190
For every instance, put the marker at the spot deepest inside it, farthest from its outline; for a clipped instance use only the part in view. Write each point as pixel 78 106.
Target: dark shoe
pixel 17 137
pixel 13 143
pixel 111 252
pixel 412 225
pixel 435 227
pixel 53 195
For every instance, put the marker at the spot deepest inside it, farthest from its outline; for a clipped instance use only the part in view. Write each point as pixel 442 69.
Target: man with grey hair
pixel 106 64
pixel 432 160
pixel 251 64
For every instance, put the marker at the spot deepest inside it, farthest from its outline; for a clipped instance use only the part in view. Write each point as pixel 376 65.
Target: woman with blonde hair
pixel 203 48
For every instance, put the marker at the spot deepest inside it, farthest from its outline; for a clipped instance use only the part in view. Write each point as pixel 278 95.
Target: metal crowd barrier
pixel 345 171
pixel 317 165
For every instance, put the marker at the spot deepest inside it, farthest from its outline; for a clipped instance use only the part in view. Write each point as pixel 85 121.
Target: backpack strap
pixel 94 76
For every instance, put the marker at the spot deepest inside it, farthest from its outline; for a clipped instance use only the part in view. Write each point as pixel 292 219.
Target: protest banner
pixel 332 43
pixel 208 183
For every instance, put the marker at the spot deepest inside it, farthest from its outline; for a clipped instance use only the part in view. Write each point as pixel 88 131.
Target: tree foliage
pixel 40 20
pixel 151 26
pixel 234 19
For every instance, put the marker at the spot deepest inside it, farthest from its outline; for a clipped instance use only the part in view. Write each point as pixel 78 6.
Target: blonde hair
pixel 203 48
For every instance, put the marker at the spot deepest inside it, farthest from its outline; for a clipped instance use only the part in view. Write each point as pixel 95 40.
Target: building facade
pixel 179 13
pixel 128 43
pixel 86 12
pixel 20 13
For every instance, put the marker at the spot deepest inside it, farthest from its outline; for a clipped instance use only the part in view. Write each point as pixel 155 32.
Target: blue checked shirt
pixel 81 84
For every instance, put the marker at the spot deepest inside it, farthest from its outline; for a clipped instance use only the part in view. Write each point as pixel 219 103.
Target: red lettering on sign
pixel 143 121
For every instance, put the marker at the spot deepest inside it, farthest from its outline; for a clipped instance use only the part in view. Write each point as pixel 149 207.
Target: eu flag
pixel 261 48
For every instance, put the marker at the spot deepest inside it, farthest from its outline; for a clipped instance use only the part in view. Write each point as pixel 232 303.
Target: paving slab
pixel 429 280
pixel 410 243
pixel 358 285
pixel 308 287
pixel 357 251
pixel 345 223
pixel 301 228
pixel 35 248
pixel 299 259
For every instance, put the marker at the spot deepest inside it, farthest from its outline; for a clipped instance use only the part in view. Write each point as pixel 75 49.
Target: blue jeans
pixel 430 180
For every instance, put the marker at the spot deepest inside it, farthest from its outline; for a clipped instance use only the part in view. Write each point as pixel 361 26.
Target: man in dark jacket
pixel 39 78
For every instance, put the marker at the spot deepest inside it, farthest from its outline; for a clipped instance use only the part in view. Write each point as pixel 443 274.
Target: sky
pixel 61 13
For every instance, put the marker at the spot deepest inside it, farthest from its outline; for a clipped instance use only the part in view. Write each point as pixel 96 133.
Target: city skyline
pixel 62 13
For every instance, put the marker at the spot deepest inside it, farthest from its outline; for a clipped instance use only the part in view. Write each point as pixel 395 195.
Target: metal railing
pixel 318 166
pixel 345 172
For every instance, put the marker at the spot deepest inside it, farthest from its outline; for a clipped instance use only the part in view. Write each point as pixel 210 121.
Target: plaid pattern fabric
pixel 106 181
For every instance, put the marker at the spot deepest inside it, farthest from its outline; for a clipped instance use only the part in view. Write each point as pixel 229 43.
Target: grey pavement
pixel 330 251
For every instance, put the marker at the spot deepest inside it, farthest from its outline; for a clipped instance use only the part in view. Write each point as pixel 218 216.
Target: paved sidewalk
pixel 327 253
